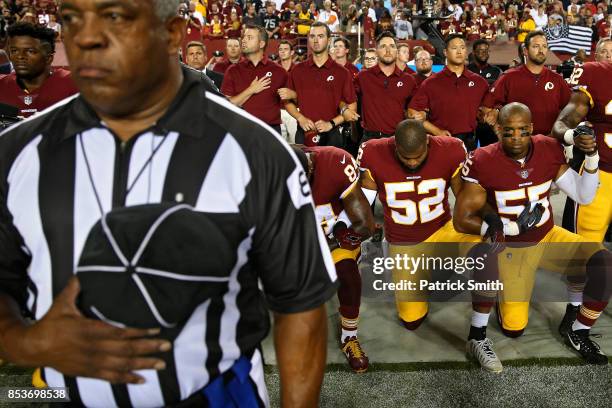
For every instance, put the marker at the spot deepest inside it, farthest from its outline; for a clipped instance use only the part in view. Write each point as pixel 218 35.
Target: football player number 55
pixel 427 209
pixel 535 194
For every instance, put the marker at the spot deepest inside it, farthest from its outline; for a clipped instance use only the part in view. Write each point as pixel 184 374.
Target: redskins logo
pixel 316 139
pixel 549 85
pixel 330 78
pixel 269 74
pixel 400 84
pixel 471 84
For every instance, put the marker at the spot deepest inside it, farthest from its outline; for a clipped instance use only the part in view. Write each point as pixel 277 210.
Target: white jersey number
pixel 427 209
pixel 535 194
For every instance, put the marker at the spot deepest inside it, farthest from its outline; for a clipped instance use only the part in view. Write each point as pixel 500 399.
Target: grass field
pixel 564 382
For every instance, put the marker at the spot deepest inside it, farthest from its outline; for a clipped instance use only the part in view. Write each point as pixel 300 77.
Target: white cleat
pixel 482 351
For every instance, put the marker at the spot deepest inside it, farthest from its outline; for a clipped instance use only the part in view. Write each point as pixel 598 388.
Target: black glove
pixel 346 237
pixel 527 220
pixel 582 130
pixel 495 232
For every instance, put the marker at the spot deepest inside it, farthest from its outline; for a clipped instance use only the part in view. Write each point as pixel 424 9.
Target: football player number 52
pixel 427 209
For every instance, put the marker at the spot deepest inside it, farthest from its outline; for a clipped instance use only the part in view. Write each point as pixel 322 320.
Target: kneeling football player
pixel 514 177
pixel 346 219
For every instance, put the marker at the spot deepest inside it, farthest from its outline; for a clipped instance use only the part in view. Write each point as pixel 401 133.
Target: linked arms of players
pixel 569 128
pixel 580 187
pixel 355 223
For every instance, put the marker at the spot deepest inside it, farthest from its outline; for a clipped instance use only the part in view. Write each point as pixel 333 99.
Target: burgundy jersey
pixel 415 203
pixel 510 184
pixel 595 79
pixel 57 87
pixel 335 171
pixel 545 95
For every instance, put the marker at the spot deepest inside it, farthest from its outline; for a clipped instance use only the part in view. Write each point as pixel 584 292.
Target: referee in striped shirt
pixel 145 130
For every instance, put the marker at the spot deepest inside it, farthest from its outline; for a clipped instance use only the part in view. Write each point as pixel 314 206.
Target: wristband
pixel 591 163
pixel 511 229
pixel 568 137
pixel 333 123
pixel 483 228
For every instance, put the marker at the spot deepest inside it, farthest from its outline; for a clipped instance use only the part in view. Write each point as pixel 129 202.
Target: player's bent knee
pixel 512 333
pixel 414 324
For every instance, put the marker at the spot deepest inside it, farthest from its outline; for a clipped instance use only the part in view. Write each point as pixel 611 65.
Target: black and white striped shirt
pixel 215 158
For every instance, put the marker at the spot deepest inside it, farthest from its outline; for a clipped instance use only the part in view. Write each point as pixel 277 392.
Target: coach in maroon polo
pixel 325 93
pixel 384 90
pixel 452 97
pixel 543 91
pixel 253 83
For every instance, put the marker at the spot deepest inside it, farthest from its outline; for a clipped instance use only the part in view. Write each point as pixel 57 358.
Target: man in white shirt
pixel 329 16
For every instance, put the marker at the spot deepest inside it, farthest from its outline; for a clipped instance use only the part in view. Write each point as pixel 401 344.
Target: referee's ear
pixel 175 27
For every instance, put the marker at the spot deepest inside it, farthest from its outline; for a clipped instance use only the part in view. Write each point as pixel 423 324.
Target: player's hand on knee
pixel 347 238
pixel 494 233
pixel 77 346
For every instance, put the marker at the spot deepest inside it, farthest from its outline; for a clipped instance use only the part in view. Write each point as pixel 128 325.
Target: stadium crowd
pixel 312 93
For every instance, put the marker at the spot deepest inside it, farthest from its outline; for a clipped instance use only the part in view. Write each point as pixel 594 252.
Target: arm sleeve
pixel 14 259
pixel 348 89
pixel 470 171
pixel 289 251
pixel 228 87
pixel 420 102
pixel 497 94
pixel 580 188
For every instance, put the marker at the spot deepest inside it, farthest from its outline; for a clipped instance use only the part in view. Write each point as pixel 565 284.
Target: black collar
pixel 185 115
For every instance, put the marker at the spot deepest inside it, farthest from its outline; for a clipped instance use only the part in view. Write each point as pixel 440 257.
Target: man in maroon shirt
pixel 322 86
pixel 545 92
pixel 452 97
pixel 285 55
pixel 254 82
pixel 423 63
pixel 34 86
pixel 342 48
pixel 233 53
pixel 384 90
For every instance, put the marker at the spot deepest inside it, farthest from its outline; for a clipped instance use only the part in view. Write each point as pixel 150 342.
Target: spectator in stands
pixel 341 48
pixel 271 21
pixel 216 28
pixel 233 27
pixel 34 85
pixel 329 16
pixel 229 6
pixel 526 25
pixel 197 57
pixel 539 16
pixel 232 53
pixel 403 27
pixel 511 22
pixel 573 6
pixel 304 19
pixel 351 20
pixel 251 17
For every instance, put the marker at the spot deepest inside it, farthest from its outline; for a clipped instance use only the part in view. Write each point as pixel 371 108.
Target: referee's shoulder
pixel 19 135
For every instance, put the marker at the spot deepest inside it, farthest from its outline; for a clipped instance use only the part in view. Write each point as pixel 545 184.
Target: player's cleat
pixel 568 319
pixel 357 358
pixel 482 351
pixel 580 341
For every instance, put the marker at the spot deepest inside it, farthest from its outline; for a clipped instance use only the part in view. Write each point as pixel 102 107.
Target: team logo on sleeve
pixel 549 85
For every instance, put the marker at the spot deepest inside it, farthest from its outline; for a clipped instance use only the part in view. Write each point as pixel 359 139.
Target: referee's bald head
pixel 125 62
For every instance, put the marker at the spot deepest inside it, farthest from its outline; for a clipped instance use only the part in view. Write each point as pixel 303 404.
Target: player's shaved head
pixel 410 135
pixel 512 109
